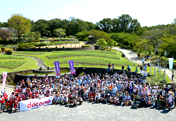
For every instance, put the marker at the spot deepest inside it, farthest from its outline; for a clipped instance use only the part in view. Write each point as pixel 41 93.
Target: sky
pixel 147 12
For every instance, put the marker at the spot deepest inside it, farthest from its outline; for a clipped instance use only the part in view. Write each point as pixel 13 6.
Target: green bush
pixel 85 46
pixel 8 51
pixel 36 40
pixel 123 46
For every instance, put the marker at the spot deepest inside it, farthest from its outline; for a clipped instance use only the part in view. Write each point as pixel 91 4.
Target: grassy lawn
pixel 17 64
pixel 11 64
pixel 154 57
pixel 97 59
pixel 63 54
pixel 3 56
pixel 29 52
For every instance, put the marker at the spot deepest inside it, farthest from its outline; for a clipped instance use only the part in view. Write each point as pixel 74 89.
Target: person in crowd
pixel 2 101
pixel 128 68
pixel 117 89
pixel 170 99
pixel 143 61
pixel 136 70
pixel 138 55
pixel 123 67
pixel 113 67
pixel 109 67
pixel 56 99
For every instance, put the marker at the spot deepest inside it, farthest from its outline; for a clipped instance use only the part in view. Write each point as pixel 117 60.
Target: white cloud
pixel 0 0
pixel 37 8
pixel 11 9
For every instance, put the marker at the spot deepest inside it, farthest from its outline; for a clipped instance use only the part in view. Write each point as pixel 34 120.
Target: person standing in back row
pixel 138 55
pixel 143 60
pixel 109 67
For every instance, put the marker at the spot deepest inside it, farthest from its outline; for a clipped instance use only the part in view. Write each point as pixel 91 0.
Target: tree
pixel 20 24
pixel 153 36
pixel 5 35
pixel 3 24
pixel 54 24
pixel 90 26
pixel 105 25
pixel 59 32
pixel 82 35
pixel 115 25
pixel 37 35
pixel 32 26
pixel 140 46
pixel 168 44
pixel 127 24
pixel 42 26
pixel 111 43
pixel 99 34
pixel 102 42
pixel 75 26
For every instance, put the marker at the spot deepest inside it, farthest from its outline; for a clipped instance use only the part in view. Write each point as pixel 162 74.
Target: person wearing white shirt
pixel 97 97
pixel 169 99
pixel 114 89
pixel 154 91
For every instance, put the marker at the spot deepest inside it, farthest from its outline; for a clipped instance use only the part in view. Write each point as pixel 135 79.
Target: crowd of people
pixel 99 88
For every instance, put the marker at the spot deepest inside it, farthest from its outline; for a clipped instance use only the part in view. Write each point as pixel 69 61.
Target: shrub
pixel 85 46
pixel 8 51
pixel 36 40
pixel 123 46
pixel 63 47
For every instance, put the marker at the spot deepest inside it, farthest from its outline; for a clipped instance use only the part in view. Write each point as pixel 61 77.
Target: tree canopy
pixel 20 24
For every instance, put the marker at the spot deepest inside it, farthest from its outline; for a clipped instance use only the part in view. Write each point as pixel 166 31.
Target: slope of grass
pixel 17 64
pixel 2 56
pixel 81 53
pixel 29 52
pixel 11 64
pixel 92 51
pixel 91 60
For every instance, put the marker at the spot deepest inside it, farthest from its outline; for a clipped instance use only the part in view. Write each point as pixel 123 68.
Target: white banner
pixel 171 63
pixel 35 103
pixel 3 81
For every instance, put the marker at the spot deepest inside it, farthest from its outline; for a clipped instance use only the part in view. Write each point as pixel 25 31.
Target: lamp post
pixel 165 54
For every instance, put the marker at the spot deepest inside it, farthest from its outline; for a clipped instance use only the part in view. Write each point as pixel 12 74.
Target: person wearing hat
pixel 2 101
pixel 169 99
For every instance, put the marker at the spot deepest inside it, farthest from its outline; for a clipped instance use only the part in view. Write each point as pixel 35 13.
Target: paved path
pixel 39 63
pixel 90 112
pixel 132 56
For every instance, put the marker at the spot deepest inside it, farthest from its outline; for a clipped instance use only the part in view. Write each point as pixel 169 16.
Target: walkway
pixel 132 56
pixel 39 63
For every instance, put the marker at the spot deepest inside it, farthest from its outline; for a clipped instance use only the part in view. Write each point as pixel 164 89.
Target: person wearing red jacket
pixel 2 101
